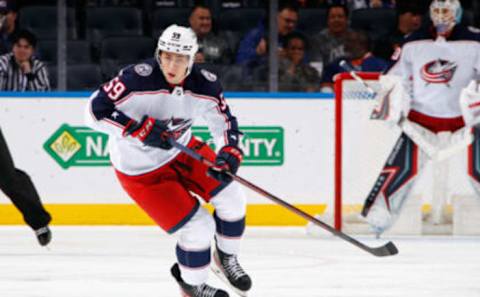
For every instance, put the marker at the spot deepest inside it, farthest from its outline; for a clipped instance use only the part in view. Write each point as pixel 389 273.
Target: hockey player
pixel 140 109
pixel 423 88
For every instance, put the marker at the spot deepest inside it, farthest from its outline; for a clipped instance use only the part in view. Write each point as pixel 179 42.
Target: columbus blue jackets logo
pixel 177 126
pixel 143 69
pixel 438 71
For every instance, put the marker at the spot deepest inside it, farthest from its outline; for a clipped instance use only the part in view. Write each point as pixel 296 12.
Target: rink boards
pixel 289 145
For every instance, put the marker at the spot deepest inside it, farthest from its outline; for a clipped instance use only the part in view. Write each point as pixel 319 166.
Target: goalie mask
pixel 178 40
pixel 445 14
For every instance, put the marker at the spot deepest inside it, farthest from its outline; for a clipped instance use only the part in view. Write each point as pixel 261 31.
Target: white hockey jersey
pixel 435 70
pixel 142 90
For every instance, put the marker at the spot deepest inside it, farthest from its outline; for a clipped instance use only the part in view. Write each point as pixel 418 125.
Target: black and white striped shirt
pixel 13 79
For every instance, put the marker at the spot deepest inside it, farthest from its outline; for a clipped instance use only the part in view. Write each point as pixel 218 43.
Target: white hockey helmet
pixel 179 40
pixel 442 21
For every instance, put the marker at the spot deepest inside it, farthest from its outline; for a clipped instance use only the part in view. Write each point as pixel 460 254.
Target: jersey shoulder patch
pixel 143 69
pixel 140 77
pixel 474 29
pixel 208 75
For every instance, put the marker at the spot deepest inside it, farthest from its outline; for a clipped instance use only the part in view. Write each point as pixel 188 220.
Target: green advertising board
pixel 78 146
pixel 262 146
pixel 81 146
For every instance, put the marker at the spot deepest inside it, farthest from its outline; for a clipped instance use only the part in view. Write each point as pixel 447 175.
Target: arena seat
pixel 42 21
pixel 83 77
pixel 376 22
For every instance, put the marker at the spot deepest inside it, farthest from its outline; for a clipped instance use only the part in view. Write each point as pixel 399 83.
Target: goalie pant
pixel 401 170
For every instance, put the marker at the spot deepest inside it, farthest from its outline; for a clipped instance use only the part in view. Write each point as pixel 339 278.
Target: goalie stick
pixel 388 249
pixel 409 129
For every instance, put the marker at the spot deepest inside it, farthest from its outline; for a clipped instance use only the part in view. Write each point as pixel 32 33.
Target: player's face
pixel 444 14
pixel 174 66
pixel 443 19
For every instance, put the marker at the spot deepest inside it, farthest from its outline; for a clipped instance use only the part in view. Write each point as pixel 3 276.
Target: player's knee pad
pixel 230 208
pixel 230 203
pixel 198 232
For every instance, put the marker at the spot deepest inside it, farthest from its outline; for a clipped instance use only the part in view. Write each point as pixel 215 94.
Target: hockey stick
pixel 412 132
pixel 388 249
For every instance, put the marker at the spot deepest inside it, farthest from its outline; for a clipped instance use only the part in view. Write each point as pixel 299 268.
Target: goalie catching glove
pixel 470 103
pixel 228 160
pixel 392 101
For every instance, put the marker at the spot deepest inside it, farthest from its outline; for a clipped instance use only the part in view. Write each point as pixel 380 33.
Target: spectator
pixel 20 70
pixel 359 4
pixel 212 49
pixel 231 4
pixel 253 48
pixel 409 20
pixel 328 45
pixel 8 17
pixel 294 74
pixel 313 3
pixel 358 57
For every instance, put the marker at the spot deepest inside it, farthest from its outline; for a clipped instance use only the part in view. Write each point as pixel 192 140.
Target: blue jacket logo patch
pixel 143 69
pixel 208 75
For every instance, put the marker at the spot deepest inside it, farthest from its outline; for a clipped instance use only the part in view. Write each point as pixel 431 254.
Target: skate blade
pixel 218 272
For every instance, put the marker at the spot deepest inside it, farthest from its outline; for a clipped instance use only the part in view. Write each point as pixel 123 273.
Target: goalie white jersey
pixel 435 70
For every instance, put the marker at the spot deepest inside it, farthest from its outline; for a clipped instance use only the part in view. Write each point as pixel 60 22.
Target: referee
pixel 19 69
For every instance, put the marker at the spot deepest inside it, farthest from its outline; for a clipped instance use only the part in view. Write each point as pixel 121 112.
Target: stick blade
pixel 388 249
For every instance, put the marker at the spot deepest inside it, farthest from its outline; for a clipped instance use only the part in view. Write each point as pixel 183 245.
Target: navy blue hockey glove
pixel 150 131
pixel 228 159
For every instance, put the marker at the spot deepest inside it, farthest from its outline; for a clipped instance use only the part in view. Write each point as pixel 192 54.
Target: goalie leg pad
pixel 385 200
pixel 474 160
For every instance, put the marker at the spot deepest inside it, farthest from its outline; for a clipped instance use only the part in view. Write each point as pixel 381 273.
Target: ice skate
pixel 202 290
pixel 44 235
pixel 227 268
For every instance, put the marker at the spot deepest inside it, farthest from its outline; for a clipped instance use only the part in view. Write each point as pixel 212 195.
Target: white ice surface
pixel 283 262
